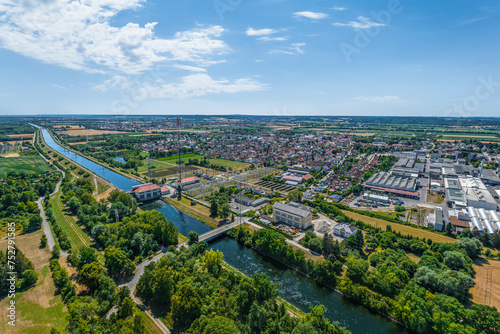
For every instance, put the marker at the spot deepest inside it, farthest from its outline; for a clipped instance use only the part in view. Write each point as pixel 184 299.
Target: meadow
pixel 30 164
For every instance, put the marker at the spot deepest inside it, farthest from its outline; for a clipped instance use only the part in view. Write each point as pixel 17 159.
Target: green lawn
pixel 77 237
pixel 32 164
pixel 235 165
pixel 173 160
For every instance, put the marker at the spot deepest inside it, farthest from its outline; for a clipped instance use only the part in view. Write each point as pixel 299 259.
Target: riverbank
pixel 130 176
pixel 197 211
pixel 346 291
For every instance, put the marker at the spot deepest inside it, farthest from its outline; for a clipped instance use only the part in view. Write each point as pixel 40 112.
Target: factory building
pixel 403 185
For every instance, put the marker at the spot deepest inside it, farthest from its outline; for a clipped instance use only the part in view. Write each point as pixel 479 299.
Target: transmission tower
pixel 179 145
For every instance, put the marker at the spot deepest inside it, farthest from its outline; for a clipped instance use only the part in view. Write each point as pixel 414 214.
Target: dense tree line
pixel 18 193
pixel 201 296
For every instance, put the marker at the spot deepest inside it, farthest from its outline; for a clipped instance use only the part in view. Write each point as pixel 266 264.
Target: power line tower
pixel 179 146
pixel 149 165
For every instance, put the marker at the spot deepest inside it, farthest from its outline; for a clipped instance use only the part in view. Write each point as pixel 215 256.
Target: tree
pixel 126 308
pixel 179 192
pixel 214 207
pixel 472 246
pixel 43 241
pixel 117 262
pixel 87 255
pixel 89 275
pixel 219 325
pixel 35 222
pixel 495 239
pixel 315 245
pixel 163 286
pixel 193 237
pixel 448 229
pixel 224 211
pixel 73 205
pixel 295 196
pixel 186 305
pixel 213 260
pixel 264 288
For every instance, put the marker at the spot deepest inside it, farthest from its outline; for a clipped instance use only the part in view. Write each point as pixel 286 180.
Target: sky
pixel 258 57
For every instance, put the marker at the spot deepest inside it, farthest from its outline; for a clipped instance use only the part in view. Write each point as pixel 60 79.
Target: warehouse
pixel 477 194
pixel 391 183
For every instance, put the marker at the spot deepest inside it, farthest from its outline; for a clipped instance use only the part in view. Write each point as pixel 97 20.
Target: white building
pixel 294 214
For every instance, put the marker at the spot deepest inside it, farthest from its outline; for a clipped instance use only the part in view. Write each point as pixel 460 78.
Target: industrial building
pixel 376 198
pixel 436 220
pixel 188 181
pixel 294 214
pixel 477 194
pixel 408 166
pixel 147 192
pixel 403 185
pixel 483 220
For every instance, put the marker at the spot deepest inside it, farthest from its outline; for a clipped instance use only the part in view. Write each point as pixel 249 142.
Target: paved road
pixel 45 224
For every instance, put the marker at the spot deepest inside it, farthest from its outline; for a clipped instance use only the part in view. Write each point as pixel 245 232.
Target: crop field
pixel 31 164
pixel 90 132
pixel 404 229
pixel 487 288
pixel 274 186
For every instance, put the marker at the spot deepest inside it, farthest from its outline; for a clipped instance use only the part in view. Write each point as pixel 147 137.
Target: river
pixel 295 288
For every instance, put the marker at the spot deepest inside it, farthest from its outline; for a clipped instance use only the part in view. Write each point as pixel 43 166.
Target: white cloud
pixel 311 15
pixel 190 86
pixel 362 23
pixel 272 39
pixel 260 32
pixel 78 35
pixel 340 9
pixel 378 99
pixel 190 68
pixel 293 49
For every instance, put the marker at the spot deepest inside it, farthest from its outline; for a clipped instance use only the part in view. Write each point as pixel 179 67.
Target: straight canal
pixel 295 288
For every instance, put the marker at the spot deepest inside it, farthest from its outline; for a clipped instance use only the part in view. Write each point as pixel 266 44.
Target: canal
pixel 295 288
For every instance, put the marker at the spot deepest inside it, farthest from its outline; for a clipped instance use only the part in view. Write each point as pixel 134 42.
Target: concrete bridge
pixel 212 234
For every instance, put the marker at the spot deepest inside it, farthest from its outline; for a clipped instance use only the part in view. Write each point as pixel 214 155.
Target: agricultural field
pixel 404 229
pixel 487 288
pixel 90 132
pixel 30 164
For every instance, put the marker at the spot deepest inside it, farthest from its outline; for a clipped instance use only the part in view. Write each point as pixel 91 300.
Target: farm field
pixel 90 132
pixel 487 288
pixel 406 230
pixel 39 308
pixel 31 164
pixel 23 135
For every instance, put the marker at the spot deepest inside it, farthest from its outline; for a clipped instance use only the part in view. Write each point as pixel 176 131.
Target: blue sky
pixel 267 57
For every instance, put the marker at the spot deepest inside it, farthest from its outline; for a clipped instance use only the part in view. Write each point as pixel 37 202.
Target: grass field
pixel 437 199
pixel 32 164
pixel 77 237
pixel 404 229
pixel 235 165
pixel 487 288
pixel 173 159
pixel 38 309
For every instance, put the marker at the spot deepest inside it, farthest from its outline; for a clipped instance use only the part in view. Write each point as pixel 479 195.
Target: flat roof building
pixel 294 214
